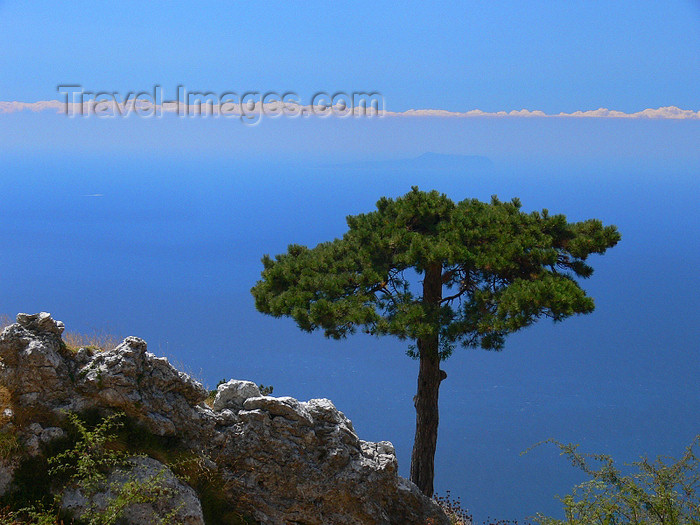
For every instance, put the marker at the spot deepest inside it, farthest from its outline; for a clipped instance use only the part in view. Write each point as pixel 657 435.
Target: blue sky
pixel 550 56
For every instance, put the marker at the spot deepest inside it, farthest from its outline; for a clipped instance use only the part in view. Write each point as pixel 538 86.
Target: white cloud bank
pixel 112 108
pixel 667 112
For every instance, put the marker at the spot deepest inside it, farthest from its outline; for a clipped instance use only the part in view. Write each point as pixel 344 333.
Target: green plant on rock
pixel 195 469
pixel 660 492
pixel 212 393
pixel 266 390
pixel 132 492
pixel 91 461
pixel 29 515
pixel 87 465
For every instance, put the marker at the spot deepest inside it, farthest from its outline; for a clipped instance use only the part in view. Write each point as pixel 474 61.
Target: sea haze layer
pixel 168 251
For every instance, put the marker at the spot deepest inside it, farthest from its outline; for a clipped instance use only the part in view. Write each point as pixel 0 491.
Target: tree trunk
pixel 426 400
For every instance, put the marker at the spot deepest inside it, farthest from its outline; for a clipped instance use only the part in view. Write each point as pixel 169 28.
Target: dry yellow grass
pixel 5 404
pixel 97 340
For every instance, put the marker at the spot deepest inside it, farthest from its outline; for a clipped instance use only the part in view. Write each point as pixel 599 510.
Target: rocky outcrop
pixel 146 387
pixel 281 460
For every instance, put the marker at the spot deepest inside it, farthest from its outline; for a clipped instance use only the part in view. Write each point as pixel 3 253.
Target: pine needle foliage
pixel 501 270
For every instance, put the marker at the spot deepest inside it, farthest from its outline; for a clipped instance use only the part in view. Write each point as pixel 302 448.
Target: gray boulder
pixel 41 322
pixel 233 394
pixel 33 370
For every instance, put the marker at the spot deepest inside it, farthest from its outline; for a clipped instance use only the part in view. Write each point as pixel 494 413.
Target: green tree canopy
pixel 487 270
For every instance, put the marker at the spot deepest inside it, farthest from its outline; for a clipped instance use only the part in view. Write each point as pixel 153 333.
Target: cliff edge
pixel 280 460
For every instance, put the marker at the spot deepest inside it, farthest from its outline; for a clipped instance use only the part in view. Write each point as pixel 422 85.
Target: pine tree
pixel 487 270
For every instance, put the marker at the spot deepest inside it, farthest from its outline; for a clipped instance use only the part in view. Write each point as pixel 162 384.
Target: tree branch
pixel 455 296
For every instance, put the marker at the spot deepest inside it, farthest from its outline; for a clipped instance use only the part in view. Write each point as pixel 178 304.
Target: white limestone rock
pixel 234 393
pixel 41 322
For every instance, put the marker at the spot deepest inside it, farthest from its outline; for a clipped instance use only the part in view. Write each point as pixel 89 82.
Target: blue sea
pixel 167 249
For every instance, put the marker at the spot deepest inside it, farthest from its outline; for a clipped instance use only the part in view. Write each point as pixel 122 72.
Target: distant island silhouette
pixel 429 161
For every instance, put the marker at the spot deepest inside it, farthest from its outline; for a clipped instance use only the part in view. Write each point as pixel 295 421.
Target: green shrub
pixel 93 448
pixel 659 492
pixel 266 390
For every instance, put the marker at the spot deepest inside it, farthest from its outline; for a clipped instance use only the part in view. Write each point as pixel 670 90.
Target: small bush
pixel 266 390
pixel 660 492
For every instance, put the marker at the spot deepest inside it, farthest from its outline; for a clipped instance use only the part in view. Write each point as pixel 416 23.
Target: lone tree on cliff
pixel 487 270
